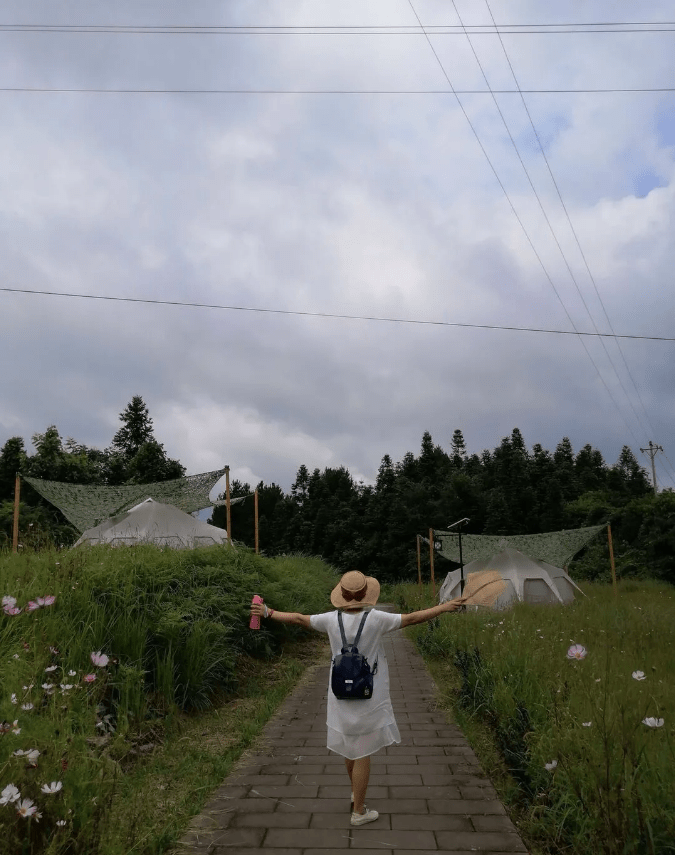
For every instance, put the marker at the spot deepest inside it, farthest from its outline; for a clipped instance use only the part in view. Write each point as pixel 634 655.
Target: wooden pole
pixel 419 562
pixel 15 526
pixel 431 561
pixel 257 550
pixel 227 505
pixel 611 559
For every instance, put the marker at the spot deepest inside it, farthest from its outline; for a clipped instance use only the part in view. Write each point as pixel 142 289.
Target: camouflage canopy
pixel 85 505
pixel 555 547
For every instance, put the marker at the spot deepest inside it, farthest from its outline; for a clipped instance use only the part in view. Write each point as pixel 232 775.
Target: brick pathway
pixel 292 796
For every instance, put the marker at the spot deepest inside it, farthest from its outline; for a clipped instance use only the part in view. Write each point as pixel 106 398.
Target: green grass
pixel 174 626
pixel 523 704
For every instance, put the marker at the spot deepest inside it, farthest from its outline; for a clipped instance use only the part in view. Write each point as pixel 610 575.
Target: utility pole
pixel 651 451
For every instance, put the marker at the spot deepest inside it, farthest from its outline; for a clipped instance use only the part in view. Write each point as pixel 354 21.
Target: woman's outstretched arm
pixel 428 614
pixel 262 610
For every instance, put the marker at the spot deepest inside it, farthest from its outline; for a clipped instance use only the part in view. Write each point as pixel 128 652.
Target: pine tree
pixel 136 428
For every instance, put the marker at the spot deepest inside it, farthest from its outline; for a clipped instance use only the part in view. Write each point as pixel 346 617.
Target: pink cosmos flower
pixel 32 606
pixel 46 601
pixel 89 678
pixel 576 651
pixel 99 659
pixel 11 610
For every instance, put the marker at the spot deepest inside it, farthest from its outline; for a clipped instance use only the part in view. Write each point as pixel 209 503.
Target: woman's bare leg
pixel 359 774
pixel 350 769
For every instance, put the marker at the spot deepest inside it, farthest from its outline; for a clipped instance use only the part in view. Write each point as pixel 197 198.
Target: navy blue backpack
pixel 352 676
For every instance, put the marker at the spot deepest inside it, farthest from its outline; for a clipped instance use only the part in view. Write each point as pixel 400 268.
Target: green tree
pixel 12 460
pixel 458 447
pixel 136 428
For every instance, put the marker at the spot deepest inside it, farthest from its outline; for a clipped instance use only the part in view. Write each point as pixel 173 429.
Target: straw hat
pixel 355 589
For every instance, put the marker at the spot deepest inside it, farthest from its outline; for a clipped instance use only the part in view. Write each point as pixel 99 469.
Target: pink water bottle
pixel 255 619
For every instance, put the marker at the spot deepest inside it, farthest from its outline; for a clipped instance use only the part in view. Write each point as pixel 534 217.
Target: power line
pixel 131 91
pixel 571 225
pixel 553 234
pixel 381 319
pixel 345 29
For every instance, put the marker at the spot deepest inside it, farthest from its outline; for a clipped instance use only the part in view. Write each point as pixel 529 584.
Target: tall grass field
pixel 571 711
pixel 108 656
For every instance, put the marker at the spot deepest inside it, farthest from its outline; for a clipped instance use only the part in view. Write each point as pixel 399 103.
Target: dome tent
pixel 528 580
pixel 154 522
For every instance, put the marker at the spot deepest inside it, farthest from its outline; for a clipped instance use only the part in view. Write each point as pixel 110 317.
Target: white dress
pixel 361 727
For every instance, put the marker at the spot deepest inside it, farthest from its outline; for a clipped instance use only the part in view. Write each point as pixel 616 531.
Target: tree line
pixel 133 457
pixel 509 490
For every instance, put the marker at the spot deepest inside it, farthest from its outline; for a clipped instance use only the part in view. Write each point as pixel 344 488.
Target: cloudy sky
pixel 342 177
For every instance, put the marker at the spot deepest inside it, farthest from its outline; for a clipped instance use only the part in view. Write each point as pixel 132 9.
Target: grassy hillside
pixel 581 749
pixel 136 646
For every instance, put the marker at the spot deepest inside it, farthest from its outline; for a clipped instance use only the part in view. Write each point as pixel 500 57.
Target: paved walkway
pixel 292 797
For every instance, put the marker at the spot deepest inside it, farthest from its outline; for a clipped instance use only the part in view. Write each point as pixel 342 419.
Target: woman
pixel 359 728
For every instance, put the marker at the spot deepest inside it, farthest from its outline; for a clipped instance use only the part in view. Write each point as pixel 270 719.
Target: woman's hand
pixel 258 609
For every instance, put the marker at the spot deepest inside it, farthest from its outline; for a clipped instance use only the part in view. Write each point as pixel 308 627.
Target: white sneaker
pixel 366 816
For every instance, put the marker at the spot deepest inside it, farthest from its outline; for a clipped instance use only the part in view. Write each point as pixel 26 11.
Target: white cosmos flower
pixel 9 601
pixel 66 686
pixel 51 668
pixel 14 698
pixel 586 723
pixel 550 766
pixel 650 721
pixel 61 822
pixel 9 794
pixel 28 706
pixel 32 754
pixel 639 675
pixel 15 727
pixel 54 787
pixel 72 673
pixel 28 808
pixel 99 659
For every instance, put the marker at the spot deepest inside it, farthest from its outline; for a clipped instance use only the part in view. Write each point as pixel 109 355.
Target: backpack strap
pixel 358 634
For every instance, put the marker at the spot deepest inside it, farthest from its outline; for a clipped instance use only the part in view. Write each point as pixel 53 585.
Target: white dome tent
pixel 154 522
pixel 528 580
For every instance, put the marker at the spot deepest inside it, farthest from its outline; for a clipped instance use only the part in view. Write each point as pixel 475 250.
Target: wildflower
pixel 52 788
pixel 8 601
pixel 32 606
pixel 550 766
pixel 28 808
pixel 650 721
pixel 66 686
pixel 15 727
pixel 72 673
pixel 61 822
pixel 9 794
pixel 16 656
pixel 576 651
pixel 586 723
pixel 14 699
pixel 27 706
pixel 31 755
pixel 639 675
pixel 11 610
pixel 46 601
pixel 54 650
pixel 51 668
pixel 89 678
pixel 99 659
pixel 50 688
